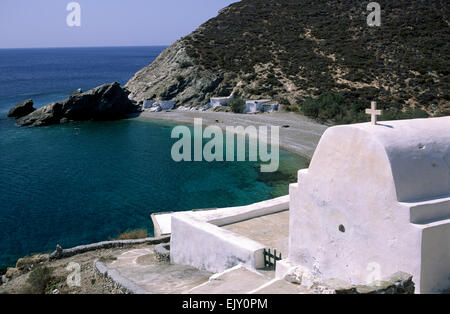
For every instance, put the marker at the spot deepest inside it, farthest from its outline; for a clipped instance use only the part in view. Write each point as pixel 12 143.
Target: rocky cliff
pixel 298 50
pixel 175 75
pixel 106 102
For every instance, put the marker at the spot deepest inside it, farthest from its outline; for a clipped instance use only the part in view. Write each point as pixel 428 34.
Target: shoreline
pixel 300 137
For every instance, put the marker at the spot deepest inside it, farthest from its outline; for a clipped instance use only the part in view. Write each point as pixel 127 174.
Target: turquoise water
pixel 86 182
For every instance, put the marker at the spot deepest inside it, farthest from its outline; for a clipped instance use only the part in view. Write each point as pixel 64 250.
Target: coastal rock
pixel 106 102
pixel 27 263
pixel 77 92
pixel 21 109
pixel 58 253
pixel 12 272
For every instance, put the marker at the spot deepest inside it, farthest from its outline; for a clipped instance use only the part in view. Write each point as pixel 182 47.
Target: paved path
pixel 141 267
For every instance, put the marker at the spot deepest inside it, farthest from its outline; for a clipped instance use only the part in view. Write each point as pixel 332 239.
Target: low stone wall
pixel 118 281
pixel 63 253
pixel 399 283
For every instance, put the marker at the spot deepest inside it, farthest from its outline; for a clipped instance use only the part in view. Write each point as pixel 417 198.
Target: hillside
pixel 316 57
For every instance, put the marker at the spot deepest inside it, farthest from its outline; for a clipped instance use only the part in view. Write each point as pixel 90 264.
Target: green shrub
pixel 292 108
pixel 410 113
pixel 107 259
pixel 237 105
pixel 327 106
pixel 134 234
pixel 38 280
pixel 340 111
pixel 222 109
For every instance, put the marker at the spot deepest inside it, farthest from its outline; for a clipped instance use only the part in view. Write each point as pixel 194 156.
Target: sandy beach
pixel 298 134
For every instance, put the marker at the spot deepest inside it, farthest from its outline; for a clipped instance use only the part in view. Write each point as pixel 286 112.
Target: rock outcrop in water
pixel 21 109
pixel 106 102
pixel 294 50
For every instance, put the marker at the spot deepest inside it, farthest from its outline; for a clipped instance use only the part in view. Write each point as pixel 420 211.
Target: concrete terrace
pixel 271 230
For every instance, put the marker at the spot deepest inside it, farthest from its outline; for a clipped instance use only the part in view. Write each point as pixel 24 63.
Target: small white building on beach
pixel 152 105
pixel 252 106
pixel 263 105
pixel 166 104
pixel 148 104
pixel 220 101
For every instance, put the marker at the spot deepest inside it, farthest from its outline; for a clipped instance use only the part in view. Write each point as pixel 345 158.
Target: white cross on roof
pixel 374 112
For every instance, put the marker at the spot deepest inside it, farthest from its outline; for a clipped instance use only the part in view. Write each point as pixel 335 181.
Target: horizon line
pixel 67 47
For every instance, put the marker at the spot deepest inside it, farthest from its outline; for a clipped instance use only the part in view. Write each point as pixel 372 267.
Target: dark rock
pixel 77 92
pixel 378 287
pixel 57 253
pixel 106 102
pixel 50 114
pixel 21 109
pixel 398 283
pixel 339 286
pixel 162 252
pixel 403 283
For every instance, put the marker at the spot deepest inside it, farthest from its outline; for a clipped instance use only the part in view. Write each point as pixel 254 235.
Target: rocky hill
pixel 317 57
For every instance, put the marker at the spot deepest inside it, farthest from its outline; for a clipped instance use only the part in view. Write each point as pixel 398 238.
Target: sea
pixel 85 182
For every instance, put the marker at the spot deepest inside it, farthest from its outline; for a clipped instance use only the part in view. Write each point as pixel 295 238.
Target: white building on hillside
pixel 220 101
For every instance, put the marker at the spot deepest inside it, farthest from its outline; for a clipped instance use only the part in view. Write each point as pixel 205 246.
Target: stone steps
pixel 241 280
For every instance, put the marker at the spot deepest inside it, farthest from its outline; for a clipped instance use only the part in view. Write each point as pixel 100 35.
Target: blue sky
pixel 42 23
